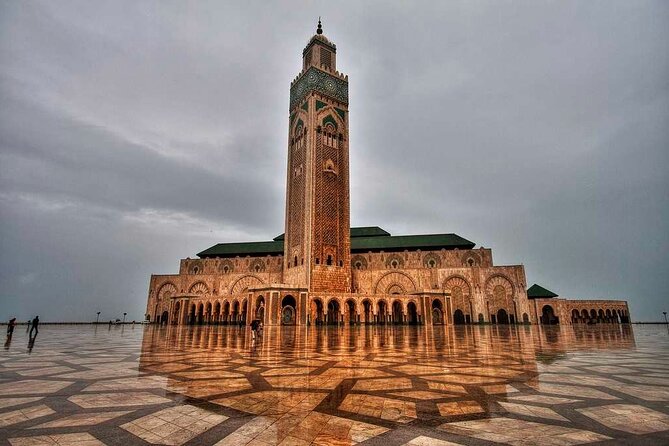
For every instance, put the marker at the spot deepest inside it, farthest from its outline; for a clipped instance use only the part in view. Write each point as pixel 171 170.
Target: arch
pixel 176 312
pixel 192 314
pixel 317 310
pixel 350 311
pixel 199 288
pixel 481 318
pixel 234 315
pixel 243 311
pixel 499 294
pixel 164 317
pixel 458 317
pixel 259 311
pixel 226 312
pixel 166 290
pixel 368 312
pixel 226 266
pixel 381 311
pixel 502 317
pixel 460 290
pixel 334 312
pixel 207 313
pixel 329 119
pixel 217 313
pixel 412 313
pixel 526 318
pixel 548 316
pixel 398 314
pixel 499 280
pixel 471 259
pixel 257 266
pixel 431 260
pixel 244 283
pixel 394 261
pixel 358 262
pixel 200 314
pixel 593 316
pixel 437 312
pixel 396 279
pixel 299 125
pixel 575 319
pixel 288 310
pixel 195 267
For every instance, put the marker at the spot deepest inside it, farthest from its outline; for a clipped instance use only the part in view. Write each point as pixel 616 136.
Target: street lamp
pixel 124 317
pixel 665 317
pixel 97 319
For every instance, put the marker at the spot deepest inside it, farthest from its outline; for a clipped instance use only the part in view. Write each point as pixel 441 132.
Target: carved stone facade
pixel 323 272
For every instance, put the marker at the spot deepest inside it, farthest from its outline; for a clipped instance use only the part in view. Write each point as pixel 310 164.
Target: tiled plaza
pixel 82 385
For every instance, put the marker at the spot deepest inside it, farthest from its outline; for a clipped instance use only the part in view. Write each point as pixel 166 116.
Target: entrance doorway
pixel 502 317
pixel 288 312
pixel 548 316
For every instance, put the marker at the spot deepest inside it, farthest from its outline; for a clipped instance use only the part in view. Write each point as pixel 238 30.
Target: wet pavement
pixel 82 385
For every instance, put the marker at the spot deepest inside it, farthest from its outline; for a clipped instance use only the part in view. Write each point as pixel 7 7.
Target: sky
pixel 134 134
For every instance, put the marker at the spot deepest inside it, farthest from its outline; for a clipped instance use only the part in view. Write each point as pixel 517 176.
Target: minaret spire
pixel 319 30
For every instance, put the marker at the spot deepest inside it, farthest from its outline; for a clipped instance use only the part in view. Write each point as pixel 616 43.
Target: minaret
pixel 317 241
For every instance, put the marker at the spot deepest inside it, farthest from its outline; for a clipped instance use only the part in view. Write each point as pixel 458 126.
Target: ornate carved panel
pixel 317 80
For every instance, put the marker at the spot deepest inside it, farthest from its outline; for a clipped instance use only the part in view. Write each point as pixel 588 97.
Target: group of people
pixel 32 327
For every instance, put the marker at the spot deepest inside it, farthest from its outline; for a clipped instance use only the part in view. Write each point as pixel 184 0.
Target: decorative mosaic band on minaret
pixel 320 81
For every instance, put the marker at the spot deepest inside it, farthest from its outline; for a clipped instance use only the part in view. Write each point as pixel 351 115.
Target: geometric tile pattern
pixel 519 432
pixel 174 425
pixel 628 417
pixel 417 386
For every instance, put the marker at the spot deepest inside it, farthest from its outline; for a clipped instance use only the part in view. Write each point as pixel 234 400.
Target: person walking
pixel 33 326
pixel 254 328
pixel 10 327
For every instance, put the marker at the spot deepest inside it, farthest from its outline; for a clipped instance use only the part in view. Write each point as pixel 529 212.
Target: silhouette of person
pixel 10 327
pixel 33 326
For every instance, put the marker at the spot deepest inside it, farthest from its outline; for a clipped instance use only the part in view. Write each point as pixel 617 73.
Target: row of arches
pixel 600 316
pixel 206 313
pixel 333 312
pixel 322 311
pixel 585 316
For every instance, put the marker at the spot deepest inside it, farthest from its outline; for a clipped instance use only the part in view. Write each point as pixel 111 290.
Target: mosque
pixel 322 271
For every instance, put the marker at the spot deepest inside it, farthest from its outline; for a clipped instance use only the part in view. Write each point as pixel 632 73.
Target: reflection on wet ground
pixel 317 385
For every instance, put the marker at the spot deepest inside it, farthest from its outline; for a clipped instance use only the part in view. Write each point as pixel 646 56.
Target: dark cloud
pixel 134 134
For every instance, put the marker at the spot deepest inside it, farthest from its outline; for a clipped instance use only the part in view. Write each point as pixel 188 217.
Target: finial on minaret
pixel 319 30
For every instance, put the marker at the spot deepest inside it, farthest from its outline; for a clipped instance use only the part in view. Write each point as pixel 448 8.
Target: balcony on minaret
pixel 320 52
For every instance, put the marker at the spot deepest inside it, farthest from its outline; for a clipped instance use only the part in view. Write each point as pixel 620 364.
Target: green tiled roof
pixel 538 292
pixel 402 242
pixel 370 238
pixel 243 249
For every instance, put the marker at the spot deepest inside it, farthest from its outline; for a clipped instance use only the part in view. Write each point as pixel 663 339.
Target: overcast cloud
pixel 133 134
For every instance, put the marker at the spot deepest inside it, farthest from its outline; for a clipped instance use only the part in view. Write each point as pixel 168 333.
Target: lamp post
pixel 665 317
pixel 124 317
pixel 97 319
